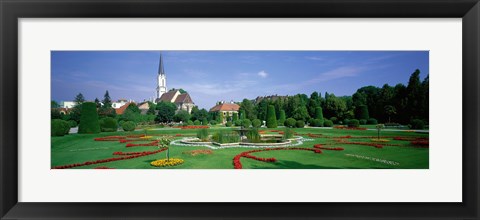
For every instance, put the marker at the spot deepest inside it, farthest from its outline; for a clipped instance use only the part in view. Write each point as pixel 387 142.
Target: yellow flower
pixel 165 162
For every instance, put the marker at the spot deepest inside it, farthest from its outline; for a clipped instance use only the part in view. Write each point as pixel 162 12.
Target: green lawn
pixel 79 148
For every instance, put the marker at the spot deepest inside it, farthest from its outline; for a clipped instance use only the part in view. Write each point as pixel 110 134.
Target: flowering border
pixel 238 165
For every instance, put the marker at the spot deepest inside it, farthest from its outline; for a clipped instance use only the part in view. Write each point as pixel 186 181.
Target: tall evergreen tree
pixel 271 117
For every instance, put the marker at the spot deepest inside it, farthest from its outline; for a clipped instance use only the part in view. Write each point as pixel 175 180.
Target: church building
pixel 183 101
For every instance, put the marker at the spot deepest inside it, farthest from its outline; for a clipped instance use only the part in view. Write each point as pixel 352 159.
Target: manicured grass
pixel 79 148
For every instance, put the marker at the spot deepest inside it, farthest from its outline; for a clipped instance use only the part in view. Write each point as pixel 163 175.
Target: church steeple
pixel 161 79
pixel 160 66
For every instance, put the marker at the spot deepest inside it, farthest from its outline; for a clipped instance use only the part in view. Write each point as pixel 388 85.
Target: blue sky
pixel 211 76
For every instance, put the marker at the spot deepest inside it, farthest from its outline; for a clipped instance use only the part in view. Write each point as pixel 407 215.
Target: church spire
pixel 160 66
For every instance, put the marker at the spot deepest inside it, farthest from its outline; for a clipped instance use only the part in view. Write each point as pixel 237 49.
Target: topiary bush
pixel 417 124
pixel 72 123
pixel 89 119
pixel 189 122
pixel 256 123
pixel 271 117
pixel 281 118
pixel 354 123
pixel 328 123
pixel 213 122
pixel 372 121
pixel 362 121
pixel 228 124
pixel 129 126
pixel 246 123
pixel 196 122
pixel 290 122
pixel 108 124
pixel 319 115
pixel 317 123
pixel 346 121
pixel 300 124
pixel 59 127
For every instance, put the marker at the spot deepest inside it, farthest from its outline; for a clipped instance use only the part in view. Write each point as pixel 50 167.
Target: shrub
pixel 362 112
pixel 281 118
pixel 129 126
pixel 204 121
pixel 196 122
pixel 362 121
pixel 290 122
pixel 311 122
pixel 253 135
pixel 372 121
pixel 346 121
pixel 288 133
pixel 202 134
pixel 120 123
pixel 228 124
pixel 417 124
pixel 246 123
pixel 213 122
pixel 317 123
pixel 300 124
pixel 271 117
pixel 226 137
pixel 189 122
pixel 238 123
pixel 72 123
pixel 334 119
pixel 59 127
pixel 354 123
pixel 256 123
pixel 328 123
pixel 89 119
pixel 319 115
pixel 108 124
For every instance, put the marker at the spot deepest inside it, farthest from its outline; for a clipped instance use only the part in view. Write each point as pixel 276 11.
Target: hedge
pixel 72 123
pixel 372 121
pixel 89 119
pixel 328 123
pixel 354 123
pixel 228 124
pixel 363 121
pixel 300 124
pixel 417 124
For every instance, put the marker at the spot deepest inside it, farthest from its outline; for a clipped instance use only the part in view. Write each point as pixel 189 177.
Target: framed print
pixel 254 110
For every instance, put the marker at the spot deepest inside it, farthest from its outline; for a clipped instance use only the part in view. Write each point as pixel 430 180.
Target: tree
pixel 235 116
pixel 182 116
pixel 334 107
pixel 221 118
pixel 131 113
pixel 261 109
pixel 54 104
pixel 55 114
pixel 271 117
pixel 248 108
pixel 281 117
pixel 79 99
pixel 97 102
pixel 151 110
pixel 390 111
pixel 89 119
pixel 300 113
pixel 242 115
pixel 166 111
pixel 106 110
pixel 313 103
pixel 362 112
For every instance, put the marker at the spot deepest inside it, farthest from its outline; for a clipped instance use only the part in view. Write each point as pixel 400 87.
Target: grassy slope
pixel 78 148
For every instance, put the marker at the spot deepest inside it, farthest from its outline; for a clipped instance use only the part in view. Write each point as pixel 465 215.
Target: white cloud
pixel 263 74
pixel 316 58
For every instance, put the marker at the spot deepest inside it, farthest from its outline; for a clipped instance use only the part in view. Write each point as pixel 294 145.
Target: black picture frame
pixel 12 10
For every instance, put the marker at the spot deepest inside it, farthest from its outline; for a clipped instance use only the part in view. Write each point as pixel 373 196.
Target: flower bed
pixel 192 126
pixel 315 135
pixel 167 162
pixel 126 156
pixel 320 146
pixel 103 168
pixel 198 152
pixel 153 143
pixel 110 138
pixel 420 143
pixel 238 165
pixel 348 128
pixel 379 140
